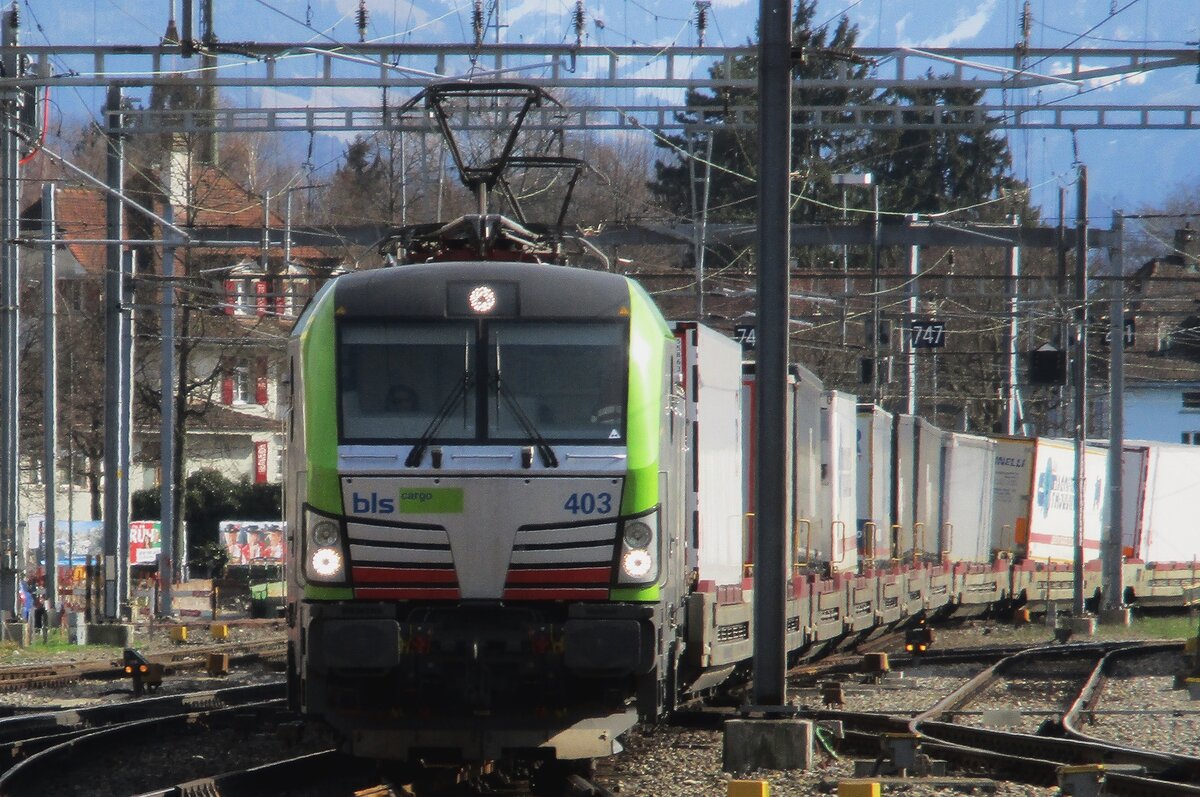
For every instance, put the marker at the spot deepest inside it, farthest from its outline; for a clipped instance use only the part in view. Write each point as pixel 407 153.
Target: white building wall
pixel 1157 412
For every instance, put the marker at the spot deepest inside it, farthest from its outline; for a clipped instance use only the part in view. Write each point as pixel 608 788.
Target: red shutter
pixel 227 390
pixel 260 462
pixel 260 297
pixel 260 382
pixel 231 296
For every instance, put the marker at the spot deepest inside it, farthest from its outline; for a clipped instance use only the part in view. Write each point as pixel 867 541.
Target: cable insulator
pixel 702 7
pixel 578 23
pixel 361 17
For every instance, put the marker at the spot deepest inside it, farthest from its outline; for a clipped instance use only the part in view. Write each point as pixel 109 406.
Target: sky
pixel 1128 170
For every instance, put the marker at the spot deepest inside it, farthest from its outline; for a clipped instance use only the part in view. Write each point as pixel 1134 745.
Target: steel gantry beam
pixel 607 73
pixel 697 118
pixel 563 66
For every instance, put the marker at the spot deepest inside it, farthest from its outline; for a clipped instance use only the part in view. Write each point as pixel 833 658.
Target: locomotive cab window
pixel 568 380
pixel 551 381
pixel 394 379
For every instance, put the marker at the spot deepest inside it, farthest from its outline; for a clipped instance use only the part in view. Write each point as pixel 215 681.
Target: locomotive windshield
pixel 395 378
pixel 568 379
pixel 557 381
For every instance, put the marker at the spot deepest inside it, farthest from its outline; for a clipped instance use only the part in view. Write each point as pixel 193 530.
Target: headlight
pixel 324 559
pixel 638 534
pixel 325 533
pixel 637 564
pixel 326 562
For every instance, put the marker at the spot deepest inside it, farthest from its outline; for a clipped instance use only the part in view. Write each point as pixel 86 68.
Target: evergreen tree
pixel 921 171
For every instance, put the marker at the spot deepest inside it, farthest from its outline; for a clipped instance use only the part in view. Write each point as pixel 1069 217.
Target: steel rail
pixel 1038 758
pixel 56 751
pixel 1179 765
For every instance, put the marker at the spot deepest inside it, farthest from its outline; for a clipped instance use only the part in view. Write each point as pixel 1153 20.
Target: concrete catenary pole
pixel 166 562
pixel 1013 415
pixel 113 294
pixel 49 389
pixel 124 441
pixel 1112 588
pixel 10 276
pixel 914 268
pixel 774 239
pixel 1080 368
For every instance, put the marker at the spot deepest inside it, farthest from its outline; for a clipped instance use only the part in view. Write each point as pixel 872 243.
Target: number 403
pixel 589 503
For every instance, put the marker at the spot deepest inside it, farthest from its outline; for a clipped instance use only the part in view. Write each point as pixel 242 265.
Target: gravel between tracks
pixel 1167 718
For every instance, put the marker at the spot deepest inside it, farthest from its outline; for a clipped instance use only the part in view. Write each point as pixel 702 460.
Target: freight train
pixel 520 508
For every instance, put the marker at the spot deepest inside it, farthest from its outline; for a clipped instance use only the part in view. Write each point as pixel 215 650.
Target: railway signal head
pixel 145 674
pixel 919 639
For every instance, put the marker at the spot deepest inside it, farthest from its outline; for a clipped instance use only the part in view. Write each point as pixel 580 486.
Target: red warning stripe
pixel 403 575
pixel 571 575
pixel 552 594
pixel 407 593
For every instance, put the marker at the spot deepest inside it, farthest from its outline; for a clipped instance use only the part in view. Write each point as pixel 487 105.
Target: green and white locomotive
pixel 484 488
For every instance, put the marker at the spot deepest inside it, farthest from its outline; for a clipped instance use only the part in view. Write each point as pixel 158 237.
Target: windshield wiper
pixel 457 394
pixel 544 449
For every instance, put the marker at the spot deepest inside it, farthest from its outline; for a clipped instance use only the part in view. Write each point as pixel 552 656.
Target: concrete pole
pixel 113 292
pixel 774 246
pixel 875 247
pixel 11 556
pixel 166 562
pixel 49 390
pixel 1064 330
pixel 703 233
pixel 125 401
pixel 1080 368
pixel 1013 418
pixel 845 267
pixel 914 268
pixel 1113 588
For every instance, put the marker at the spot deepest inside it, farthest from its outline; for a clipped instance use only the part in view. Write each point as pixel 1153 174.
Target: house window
pixel 242 385
pixel 241 296
pixel 1191 399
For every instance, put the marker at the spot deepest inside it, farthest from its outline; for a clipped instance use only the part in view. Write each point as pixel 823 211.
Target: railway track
pixel 32 743
pixel 330 774
pixel 73 744
pixel 1037 757
pixel 192 657
pixel 1053 735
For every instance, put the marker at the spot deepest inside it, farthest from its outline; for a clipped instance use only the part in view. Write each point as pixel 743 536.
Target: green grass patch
pixel 1155 626
pixel 56 646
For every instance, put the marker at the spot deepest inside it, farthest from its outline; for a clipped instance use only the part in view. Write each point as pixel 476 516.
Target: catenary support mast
pixel 770 554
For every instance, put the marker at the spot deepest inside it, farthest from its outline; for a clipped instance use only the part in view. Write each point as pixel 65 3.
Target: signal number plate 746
pixel 589 503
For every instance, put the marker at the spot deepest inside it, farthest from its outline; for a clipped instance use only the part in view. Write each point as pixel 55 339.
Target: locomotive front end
pixel 483 548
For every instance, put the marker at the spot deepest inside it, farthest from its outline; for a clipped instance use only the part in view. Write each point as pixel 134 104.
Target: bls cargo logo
pixel 371 504
pixel 410 501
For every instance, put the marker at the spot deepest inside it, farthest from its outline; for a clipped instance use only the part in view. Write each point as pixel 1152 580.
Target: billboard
pixel 257 541
pixel 84 538
pixel 145 541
